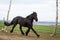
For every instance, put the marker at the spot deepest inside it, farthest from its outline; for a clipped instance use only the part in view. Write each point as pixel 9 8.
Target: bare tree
pixel 55 27
pixel 9 10
pixel 56 17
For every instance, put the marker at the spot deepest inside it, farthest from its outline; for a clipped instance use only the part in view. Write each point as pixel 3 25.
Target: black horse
pixel 24 22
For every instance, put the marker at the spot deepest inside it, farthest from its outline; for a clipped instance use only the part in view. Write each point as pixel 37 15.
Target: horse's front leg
pixel 35 32
pixel 12 28
pixel 27 31
pixel 21 30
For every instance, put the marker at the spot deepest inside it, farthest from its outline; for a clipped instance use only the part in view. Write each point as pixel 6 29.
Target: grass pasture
pixel 43 30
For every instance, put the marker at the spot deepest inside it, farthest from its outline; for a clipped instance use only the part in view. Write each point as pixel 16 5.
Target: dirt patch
pixel 14 37
pixel 31 36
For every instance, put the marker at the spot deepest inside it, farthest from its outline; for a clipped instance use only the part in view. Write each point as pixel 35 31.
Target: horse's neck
pixel 31 19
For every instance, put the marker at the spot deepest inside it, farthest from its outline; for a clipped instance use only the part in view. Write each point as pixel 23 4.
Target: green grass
pixel 1 25
pixel 38 28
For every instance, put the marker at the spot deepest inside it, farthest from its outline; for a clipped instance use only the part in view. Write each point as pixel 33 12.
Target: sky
pixel 46 9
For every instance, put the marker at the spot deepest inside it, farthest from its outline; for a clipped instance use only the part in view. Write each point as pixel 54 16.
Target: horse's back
pixel 16 19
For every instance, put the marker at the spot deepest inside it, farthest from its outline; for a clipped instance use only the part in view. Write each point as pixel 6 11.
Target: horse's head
pixel 35 16
pixel 32 17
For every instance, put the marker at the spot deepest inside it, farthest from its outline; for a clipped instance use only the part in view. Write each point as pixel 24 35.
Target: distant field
pixel 38 28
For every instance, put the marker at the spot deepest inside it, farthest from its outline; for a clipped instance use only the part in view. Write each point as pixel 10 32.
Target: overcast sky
pixel 46 9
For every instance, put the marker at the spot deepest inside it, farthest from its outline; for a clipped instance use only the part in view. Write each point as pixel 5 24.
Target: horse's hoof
pixel 22 33
pixel 26 34
pixel 11 31
pixel 38 35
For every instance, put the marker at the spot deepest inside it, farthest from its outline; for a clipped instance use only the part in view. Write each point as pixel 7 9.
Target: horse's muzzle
pixel 36 20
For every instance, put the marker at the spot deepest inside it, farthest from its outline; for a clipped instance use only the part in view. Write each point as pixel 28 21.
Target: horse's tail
pixel 7 24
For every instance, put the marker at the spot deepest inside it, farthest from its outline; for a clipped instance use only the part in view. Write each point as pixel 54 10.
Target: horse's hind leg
pixel 12 28
pixel 35 32
pixel 27 31
pixel 21 30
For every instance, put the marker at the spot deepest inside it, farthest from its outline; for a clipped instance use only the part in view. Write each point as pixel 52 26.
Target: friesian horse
pixel 23 22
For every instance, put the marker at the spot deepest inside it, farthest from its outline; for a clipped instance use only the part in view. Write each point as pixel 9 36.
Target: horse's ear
pixel 34 13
